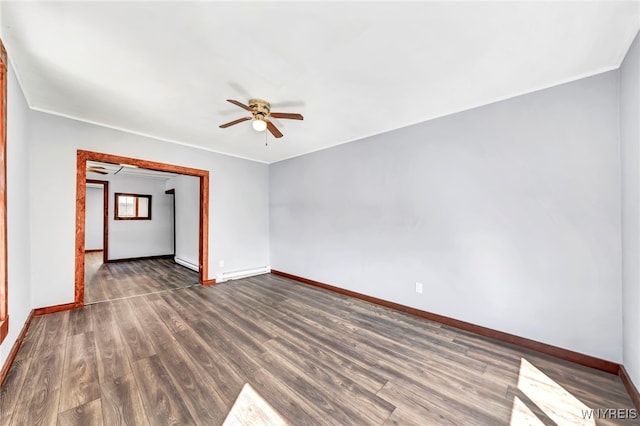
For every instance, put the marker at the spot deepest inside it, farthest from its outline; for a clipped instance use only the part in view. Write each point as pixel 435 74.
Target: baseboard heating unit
pixel 243 273
pixel 186 264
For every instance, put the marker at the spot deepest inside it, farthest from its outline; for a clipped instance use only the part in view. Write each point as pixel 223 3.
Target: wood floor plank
pixel 111 355
pixel 327 356
pixel 135 340
pixel 31 339
pixel 78 321
pixel 251 409
pixel 54 330
pixel 92 262
pixel 80 383
pixel 40 393
pixel 211 326
pixel 17 375
pixel 233 311
pixel 163 402
pixel 11 389
pixel 416 417
pixel 42 410
pixel 305 385
pixel 350 394
pixel 121 402
pixel 287 401
pixel 87 414
pixel 430 410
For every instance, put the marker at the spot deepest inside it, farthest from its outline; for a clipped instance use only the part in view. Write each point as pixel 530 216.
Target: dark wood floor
pixel 119 280
pixel 315 357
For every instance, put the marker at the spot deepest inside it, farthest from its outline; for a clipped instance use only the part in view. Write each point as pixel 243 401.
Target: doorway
pixel 97 231
pixel 96 227
pixel 81 165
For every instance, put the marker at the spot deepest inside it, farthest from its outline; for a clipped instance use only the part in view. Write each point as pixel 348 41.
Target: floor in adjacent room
pixel 117 280
pixel 286 352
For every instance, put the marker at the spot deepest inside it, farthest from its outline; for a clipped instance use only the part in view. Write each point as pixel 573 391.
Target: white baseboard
pixel 243 273
pixel 186 264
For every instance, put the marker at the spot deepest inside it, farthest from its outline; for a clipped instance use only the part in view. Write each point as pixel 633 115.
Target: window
pixel 132 207
pixel 4 314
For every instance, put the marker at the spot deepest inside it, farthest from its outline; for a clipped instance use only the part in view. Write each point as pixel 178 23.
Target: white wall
pixel 18 207
pixel 509 214
pixel 187 206
pixel 630 158
pixel 238 214
pixel 141 238
pixel 94 215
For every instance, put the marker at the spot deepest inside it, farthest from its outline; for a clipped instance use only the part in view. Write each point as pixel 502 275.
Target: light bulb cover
pixel 259 125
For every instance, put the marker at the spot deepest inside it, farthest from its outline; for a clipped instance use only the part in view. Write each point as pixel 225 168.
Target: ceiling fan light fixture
pixel 259 125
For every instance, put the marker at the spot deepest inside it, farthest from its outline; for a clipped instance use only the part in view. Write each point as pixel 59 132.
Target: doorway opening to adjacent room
pixel 81 173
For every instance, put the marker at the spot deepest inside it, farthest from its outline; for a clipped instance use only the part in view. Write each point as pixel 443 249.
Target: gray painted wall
pixel 509 214
pixel 141 238
pixel 187 205
pixel 18 207
pixel 630 158
pixel 94 213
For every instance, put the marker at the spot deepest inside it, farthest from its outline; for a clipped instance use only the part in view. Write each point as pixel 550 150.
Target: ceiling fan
pixel 260 112
pixel 97 169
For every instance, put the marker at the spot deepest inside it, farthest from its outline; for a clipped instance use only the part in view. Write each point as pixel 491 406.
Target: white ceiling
pixel 164 69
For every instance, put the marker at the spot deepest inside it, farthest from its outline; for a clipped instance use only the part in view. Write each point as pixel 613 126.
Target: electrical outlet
pixel 418 287
pixel 221 263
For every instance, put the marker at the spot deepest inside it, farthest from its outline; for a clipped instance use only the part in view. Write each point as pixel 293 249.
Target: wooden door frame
pixel 81 177
pixel 105 216
pixel 4 274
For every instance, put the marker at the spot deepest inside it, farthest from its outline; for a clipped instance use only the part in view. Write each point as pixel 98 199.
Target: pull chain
pixel 265 139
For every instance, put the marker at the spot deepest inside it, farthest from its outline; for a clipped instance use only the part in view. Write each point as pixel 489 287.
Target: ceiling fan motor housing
pixel 260 108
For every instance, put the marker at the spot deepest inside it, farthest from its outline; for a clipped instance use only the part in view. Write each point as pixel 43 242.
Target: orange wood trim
pixel 93 250
pixel 129 259
pixel 14 349
pixel 4 327
pixel 203 239
pixel 4 275
pixel 56 308
pixel 578 358
pixel 209 282
pixel 81 204
pixel 143 164
pixel 81 176
pixel 633 391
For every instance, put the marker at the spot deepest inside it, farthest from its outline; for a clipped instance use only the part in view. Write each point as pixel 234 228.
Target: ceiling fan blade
pixel 92 170
pixel 289 115
pixel 274 130
pixel 231 123
pixel 240 104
